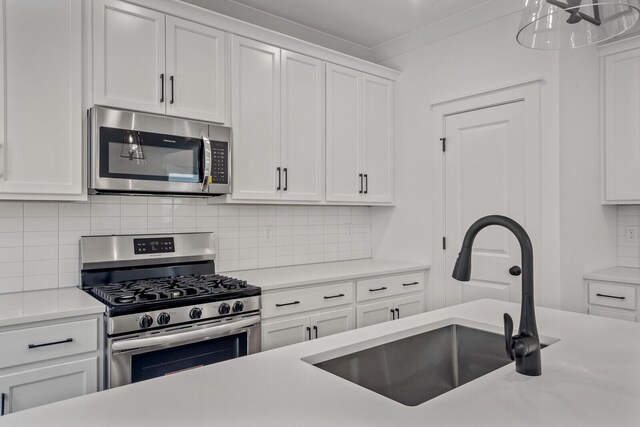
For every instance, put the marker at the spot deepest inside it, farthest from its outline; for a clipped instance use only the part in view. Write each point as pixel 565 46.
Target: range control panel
pixel 153 245
pixel 219 162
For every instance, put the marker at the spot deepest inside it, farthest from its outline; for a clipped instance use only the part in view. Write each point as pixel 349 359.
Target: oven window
pixel 128 154
pixel 175 359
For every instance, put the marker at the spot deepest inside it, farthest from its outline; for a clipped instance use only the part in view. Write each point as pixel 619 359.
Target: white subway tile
pixel 228 210
pixel 136 200
pixel 184 210
pixel 46 281
pixel 10 284
pixel 184 201
pixel 68 265
pixel 11 269
pixel 40 253
pixel 105 210
pixel 10 225
pixel 228 221
pixel 247 210
pixel 160 222
pixel 248 264
pixel 266 262
pixel 185 222
pixel 69 251
pixel 12 209
pixel 133 223
pixel 104 223
pixel 207 210
pixel 160 201
pixel 74 223
pixel 38 209
pixel 72 237
pixel 74 209
pixel 40 238
pixel 41 224
pixel 11 255
pixel 133 210
pixel 67 280
pixel 160 210
pixel 104 199
pixel 38 268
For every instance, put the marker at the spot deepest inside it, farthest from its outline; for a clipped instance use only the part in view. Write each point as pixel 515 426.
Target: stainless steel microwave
pixel 137 153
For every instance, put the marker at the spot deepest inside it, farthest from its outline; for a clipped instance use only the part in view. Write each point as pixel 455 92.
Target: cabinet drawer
pixel 300 300
pixel 612 295
pixel 381 287
pixel 48 342
pixel 613 314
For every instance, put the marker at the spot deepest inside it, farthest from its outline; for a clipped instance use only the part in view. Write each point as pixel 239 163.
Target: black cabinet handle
pixel 393 314
pixel 289 303
pixel 162 87
pixel 315 329
pixel 366 183
pixel 171 80
pixel 334 296
pixel 361 185
pixel 309 333
pixel 611 296
pixel 279 171
pixel 47 344
pixel 286 179
pixel 398 313
pixel 2 405
pixel 411 284
pixel 384 288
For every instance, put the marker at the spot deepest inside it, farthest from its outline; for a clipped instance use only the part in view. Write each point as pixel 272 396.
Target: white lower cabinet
pixel 47 384
pixel 280 333
pixel 612 300
pixel 389 309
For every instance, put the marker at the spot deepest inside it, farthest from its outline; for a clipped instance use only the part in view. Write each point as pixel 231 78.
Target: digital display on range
pixel 153 245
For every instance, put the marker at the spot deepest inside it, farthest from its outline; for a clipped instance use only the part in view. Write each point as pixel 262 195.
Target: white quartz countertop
pixel 50 304
pixel 270 279
pixel 627 275
pixel 590 378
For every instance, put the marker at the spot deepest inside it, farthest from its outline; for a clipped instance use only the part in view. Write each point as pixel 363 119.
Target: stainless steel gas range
pixel 167 310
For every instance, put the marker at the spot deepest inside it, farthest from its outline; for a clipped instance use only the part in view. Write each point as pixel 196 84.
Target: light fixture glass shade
pixel 568 24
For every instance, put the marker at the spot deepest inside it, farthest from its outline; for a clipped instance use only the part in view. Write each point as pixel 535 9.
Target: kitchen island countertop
pixel 590 377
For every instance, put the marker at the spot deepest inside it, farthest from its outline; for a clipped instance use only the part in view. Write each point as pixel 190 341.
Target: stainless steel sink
pixel 418 368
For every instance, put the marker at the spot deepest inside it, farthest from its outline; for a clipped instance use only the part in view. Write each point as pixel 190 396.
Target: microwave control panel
pixel 219 162
pixel 153 245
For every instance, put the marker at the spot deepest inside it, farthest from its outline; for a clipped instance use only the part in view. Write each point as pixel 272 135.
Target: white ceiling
pixel 367 23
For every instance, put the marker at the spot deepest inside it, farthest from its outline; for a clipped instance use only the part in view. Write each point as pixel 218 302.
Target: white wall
pixel 483 58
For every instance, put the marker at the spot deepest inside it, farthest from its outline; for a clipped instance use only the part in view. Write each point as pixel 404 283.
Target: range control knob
pixel 238 306
pixel 224 308
pixel 195 313
pixel 146 321
pixel 163 318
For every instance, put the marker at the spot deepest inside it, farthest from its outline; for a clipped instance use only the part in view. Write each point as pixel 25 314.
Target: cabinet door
pixel 377 138
pixel 408 306
pixel 255 118
pixel 195 71
pixel 622 127
pixel 40 99
pixel 53 383
pixel 129 56
pixel 285 332
pixel 371 314
pixel 302 127
pixel 333 322
pixel 343 134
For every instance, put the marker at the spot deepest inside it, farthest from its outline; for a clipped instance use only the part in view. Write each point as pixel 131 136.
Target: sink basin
pixel 418 368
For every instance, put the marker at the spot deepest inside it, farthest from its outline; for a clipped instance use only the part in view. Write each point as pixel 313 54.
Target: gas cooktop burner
pixel 171 291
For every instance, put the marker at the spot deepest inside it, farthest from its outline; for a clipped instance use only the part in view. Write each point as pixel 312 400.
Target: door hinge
pixel 444 243
pixel 444 144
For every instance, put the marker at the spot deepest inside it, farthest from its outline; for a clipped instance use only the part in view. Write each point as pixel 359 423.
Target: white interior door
pixel 343 134
pixel 485 175
pixel 195 69
pixel 129 56
pixel 377 138
pixel 256 120
pixel 302 140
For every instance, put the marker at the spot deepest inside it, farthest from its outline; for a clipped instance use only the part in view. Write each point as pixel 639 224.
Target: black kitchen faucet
pixel 524 347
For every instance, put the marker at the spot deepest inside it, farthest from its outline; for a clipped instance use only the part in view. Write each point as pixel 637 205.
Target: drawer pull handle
pixel 411 284
pixel 610 296
pixel 384 288
pixel 393 314
pixel 2 400
pixel 47 344
pixel 309 333
pixel 289 303
pixel 334 296
pixel 315 329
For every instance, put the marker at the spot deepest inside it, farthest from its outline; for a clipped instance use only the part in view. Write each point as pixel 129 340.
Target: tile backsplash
pixel 628 239
pixel 39 241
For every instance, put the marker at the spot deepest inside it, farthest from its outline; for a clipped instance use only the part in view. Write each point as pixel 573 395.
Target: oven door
pixel 155 354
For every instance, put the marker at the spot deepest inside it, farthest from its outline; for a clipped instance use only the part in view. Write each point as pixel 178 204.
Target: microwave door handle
pixel 211 332
pixel 206 160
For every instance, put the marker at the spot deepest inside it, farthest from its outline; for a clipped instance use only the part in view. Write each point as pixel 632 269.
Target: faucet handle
pixel 508 336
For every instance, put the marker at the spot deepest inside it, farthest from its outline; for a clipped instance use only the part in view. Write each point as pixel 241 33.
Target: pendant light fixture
pixel 568 24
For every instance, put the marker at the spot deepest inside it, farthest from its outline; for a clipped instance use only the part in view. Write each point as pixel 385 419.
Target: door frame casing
pixel 529 93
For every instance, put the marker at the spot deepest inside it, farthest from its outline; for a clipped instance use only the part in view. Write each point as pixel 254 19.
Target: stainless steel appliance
pixel 167 310
pixel 147 154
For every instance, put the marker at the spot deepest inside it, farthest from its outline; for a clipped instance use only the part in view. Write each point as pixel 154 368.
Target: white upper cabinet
pixel 195 71
pixel 148 61
pixel 41 100
pixel 255 112
pixel 302 142
pixel 344 179
pixel 129 56
pixel 621 84
pixel 360 160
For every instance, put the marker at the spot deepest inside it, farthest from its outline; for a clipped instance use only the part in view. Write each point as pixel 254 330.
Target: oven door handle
pixel 206 160
pixel 214 332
